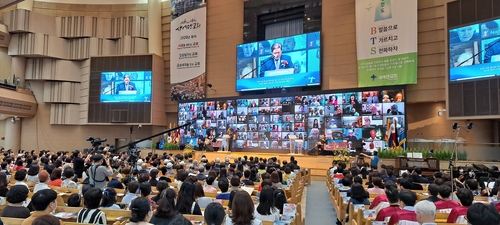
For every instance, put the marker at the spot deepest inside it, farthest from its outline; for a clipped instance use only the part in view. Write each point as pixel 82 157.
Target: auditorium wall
pixel 2 132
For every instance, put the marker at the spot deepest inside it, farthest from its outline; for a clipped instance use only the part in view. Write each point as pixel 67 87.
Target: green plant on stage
pixel 170 146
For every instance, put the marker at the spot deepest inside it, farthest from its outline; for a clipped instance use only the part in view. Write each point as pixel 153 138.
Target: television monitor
pixel 474 51
pixel 292 61
pixel 267 123
pixel 126 86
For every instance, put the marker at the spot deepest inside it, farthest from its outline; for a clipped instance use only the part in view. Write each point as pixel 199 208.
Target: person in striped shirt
pixel 91 213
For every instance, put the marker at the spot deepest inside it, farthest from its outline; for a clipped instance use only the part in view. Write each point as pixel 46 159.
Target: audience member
pixel 74 200
pixel 141 211
pixel 446 204
pixel 433 191
pixel 279 199
pixel 132 188
pixel 16 197
pixel 46 220
pixel 377 184
pixel 114 182
pixel 166 212
pixel 242 211
pixel 19 176
pixel 3 184
pixel 407 200
pixel 68 182
pixel 426 212
pixel 210 188
pixel 33 174
pixel 482 214
pixel 90 213
pixel 43 177
pixel 457 214
pixel 43 202
pixel 386 213
pixel 109 199
pixel 224 187
pixel 186 203
pixel 160 187
pixel 265 210
pixel 214 214
pixel 200 197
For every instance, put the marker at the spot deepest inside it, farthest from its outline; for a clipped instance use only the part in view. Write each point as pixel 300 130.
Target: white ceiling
pixel 97 2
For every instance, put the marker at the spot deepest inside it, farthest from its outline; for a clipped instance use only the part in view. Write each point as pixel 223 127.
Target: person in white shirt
pixel 132 189
pixel 43 177
pixel 265 210
pixel 242 210
pixel 20 176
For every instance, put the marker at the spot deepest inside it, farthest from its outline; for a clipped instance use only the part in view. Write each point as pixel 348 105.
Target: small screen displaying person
pixel 277 60
pixel 126 85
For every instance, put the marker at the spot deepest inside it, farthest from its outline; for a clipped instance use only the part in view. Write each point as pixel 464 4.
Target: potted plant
pixel 188 149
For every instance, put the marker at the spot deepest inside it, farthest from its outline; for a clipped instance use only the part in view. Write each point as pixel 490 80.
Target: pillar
pixel 154 27
pixel 26 4
pixel 13 134
pixel 18 68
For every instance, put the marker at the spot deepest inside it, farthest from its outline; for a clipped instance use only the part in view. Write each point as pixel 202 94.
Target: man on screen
pixel 277 60
pixel 126 85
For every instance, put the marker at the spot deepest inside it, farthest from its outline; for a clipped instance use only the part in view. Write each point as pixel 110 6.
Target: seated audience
pixel 415 178
pixel 407 200
pixel 114 182
pixel 457 214
pixel 43 178
pixel 141 212
pixel 46 220
pixel 20 176
pixel 33 174
pixel 482 214
pixel 43 202
pixel 153 174
pixel 69 173
pixel 235 183
pixel 346 185
pixel 473 185
pixel 386 213
pixel 201 173
pixel 265 210
pixel 288 174
pixel 390 176
pixel 16 197
pixel 160 187
pixel 446 204
pixel 422 179
pixel 214 214
pixel 91 213
pixel 433 191
pixel 224 187
pixel 377 184
pixel 210 188
pixel 109 199
pixel 246 180
pixel 145 189
pixel 358 196
pixel 165 211
pixel 426 212
pixel 74 200
pixel 200 197
pixel 279 199
pixel 242 210
pixel 55 177
pixel 132 188
pixel 231 197
pixel 3 184
pixel 380 201
pixel 186 204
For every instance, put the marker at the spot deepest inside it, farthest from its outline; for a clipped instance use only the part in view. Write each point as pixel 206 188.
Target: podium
pixel 300 145
pixel 279 72
pixel 225 143
pixel 292 143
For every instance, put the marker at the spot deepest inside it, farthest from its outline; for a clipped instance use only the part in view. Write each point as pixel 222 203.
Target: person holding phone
pixel 99 172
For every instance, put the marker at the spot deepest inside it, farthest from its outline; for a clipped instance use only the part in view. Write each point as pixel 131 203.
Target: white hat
pixel 170 165
pixel 167 161
pixel 217 160
pixel 182 163
pixel 139 162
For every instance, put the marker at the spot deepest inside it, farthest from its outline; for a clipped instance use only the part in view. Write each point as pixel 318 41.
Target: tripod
pixel 453 153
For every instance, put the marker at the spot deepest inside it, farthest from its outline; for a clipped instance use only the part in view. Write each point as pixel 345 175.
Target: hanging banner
pixel 386 40
pixel 188 38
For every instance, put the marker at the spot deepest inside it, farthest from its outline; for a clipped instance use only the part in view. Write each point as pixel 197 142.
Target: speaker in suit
pixel 277 60
pixel 126 85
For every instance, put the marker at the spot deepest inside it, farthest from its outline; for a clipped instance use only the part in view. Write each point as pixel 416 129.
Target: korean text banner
pixel 188 37
pixel 386 39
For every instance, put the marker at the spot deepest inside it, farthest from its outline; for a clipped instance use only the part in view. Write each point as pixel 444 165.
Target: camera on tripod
pixel 96 141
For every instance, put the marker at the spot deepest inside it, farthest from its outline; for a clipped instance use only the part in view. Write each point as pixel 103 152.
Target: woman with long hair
pixel 279 199
pixel 109 199
pixel 186 204
pixel 275 178
pixel 165 212
pixel 33 174
pixel 199 196
pixel 265 210
pixel 55 177
pixel 231 198
pixel 141 212
pixel 3 184
pixel 242 211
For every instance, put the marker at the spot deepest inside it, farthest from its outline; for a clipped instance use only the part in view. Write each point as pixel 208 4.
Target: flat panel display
pixel 126 86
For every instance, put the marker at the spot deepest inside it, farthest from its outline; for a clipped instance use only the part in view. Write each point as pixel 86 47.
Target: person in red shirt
pixel 55 177
pixel 339 173
pixel 407 200
pixel 457 214
pixel 446 204
pixel 385 214
pixel 383 198
pixel 19 165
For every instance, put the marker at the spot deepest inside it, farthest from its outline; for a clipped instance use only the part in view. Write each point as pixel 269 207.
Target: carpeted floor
pixel 319 209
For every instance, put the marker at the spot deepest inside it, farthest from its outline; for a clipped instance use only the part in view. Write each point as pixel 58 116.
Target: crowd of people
pixel 99 176
pixel 396 199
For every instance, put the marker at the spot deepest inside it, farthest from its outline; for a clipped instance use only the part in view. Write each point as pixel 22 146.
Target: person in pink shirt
pixel 377 183
pixel 407 200
pixel 446 204
pixel 458 214
pixel 210 188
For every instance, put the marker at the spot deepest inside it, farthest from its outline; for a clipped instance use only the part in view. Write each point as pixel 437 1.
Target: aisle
pixel 319 209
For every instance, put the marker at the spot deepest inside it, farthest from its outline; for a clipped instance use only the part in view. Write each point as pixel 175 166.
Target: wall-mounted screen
pixel 346 119
pixel 126 86
pixel 475 51
pixel 292 61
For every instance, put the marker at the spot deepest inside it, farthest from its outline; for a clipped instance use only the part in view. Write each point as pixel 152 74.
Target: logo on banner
pixel 383 10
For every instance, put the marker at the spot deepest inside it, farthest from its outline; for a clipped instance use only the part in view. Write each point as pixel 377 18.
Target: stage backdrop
pixel 188 38
pixel 386 38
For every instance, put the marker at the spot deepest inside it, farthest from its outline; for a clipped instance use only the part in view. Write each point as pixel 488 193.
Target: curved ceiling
pixel 98 2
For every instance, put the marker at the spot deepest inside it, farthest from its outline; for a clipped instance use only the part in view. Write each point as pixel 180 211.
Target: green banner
pixel 390 70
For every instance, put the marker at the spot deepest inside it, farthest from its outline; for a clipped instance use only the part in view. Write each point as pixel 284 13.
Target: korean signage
pixel 188 37
pixel 386 40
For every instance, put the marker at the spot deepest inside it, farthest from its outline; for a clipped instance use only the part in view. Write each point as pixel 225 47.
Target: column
pixel 13 134
pixel 19 68
pixel 154 27
pixel 26 4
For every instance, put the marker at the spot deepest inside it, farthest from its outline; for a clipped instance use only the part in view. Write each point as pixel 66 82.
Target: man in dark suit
pixel 418 171
pixel 277 60
pixel 126 85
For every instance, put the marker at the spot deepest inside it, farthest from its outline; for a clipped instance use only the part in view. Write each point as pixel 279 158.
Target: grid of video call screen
pixel 346 119
pixel 475 51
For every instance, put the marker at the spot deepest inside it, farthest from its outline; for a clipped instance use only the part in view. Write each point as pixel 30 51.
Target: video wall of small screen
pixel 133 86
pixel 267 123
pixel 475 51
pixel 292 61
